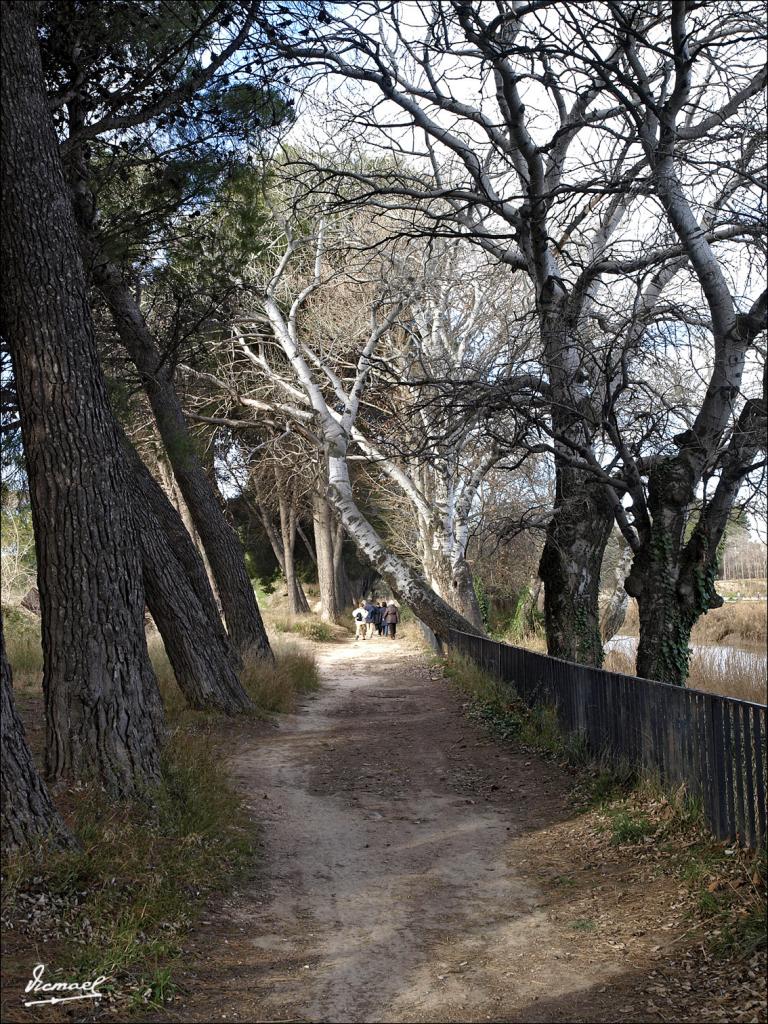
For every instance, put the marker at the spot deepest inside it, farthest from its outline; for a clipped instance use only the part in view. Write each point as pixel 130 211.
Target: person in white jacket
pixel 360 615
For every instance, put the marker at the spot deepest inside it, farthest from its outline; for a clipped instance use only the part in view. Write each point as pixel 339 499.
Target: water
pixel 748 664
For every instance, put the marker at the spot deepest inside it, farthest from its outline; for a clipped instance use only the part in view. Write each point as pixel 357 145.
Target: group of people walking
pixel 382 617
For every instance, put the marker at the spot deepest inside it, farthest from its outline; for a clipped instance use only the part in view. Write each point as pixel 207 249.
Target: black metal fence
pixel 714 746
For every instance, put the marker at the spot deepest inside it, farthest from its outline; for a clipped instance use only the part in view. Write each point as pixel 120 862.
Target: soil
pixel 415 870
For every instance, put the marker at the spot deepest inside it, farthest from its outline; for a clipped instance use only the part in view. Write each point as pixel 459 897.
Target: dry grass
pixel 309 627
pixel 277 688
pixel 728 671
pixel 737 623
pixel 21 630
pixel 531 642
pixel 734 590
pixel 119 904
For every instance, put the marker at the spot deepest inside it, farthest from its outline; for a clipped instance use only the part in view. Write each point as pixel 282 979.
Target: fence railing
pixel 714 746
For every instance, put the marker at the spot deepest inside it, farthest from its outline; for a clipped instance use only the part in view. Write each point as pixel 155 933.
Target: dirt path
pixel 397 882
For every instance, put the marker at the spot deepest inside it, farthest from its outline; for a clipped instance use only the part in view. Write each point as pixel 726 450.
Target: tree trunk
pixel 176 498
pixel 462 592
pixel 616 609
pixel 197 646
pixel 344 596
pixel 326 577
pixel 103 711
pixel 276 544
pixel 673 579
pixel 666 612
pixel 27 814
pixel 307 544
pixel 405 584
pixel 451 578
pixel 570 567
pixel 297 599
pixel 218 538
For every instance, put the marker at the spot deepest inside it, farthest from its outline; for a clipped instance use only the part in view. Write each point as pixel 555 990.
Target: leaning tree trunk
pixel 104 716
pixel 27 814
pixel 452 579
pixel 195 642
pixel 326 576
pixel 570 567
pixel 217 536
pixel 405 584
pixel 176 498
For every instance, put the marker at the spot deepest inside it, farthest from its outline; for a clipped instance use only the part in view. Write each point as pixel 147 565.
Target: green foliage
pixel 160 989
pixel 482 600
pixel 499 709
pixel 584 924
pixel 627 827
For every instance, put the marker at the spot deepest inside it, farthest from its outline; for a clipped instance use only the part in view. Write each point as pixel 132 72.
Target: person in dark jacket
pixel 391 619
pixel 380 618
pixel 370 619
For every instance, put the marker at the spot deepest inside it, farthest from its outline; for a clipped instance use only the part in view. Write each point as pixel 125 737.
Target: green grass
pixel 584 924
pixel 628 827
pixel 496 706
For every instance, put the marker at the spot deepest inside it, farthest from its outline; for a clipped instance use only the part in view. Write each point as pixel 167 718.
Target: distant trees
pixel 306 354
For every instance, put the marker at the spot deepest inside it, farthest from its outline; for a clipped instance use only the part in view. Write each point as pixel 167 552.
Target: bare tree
pixel 546 161
pixel 324 401
pixel 663 84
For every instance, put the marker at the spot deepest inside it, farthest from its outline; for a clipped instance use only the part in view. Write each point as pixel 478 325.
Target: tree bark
pixel 104 716
pixel 326 576
pixel 218 538
pixel 27 814
pixel 198 648
pixel 615 611
pixel 451 579
pixel 344 595
pixel 570 567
